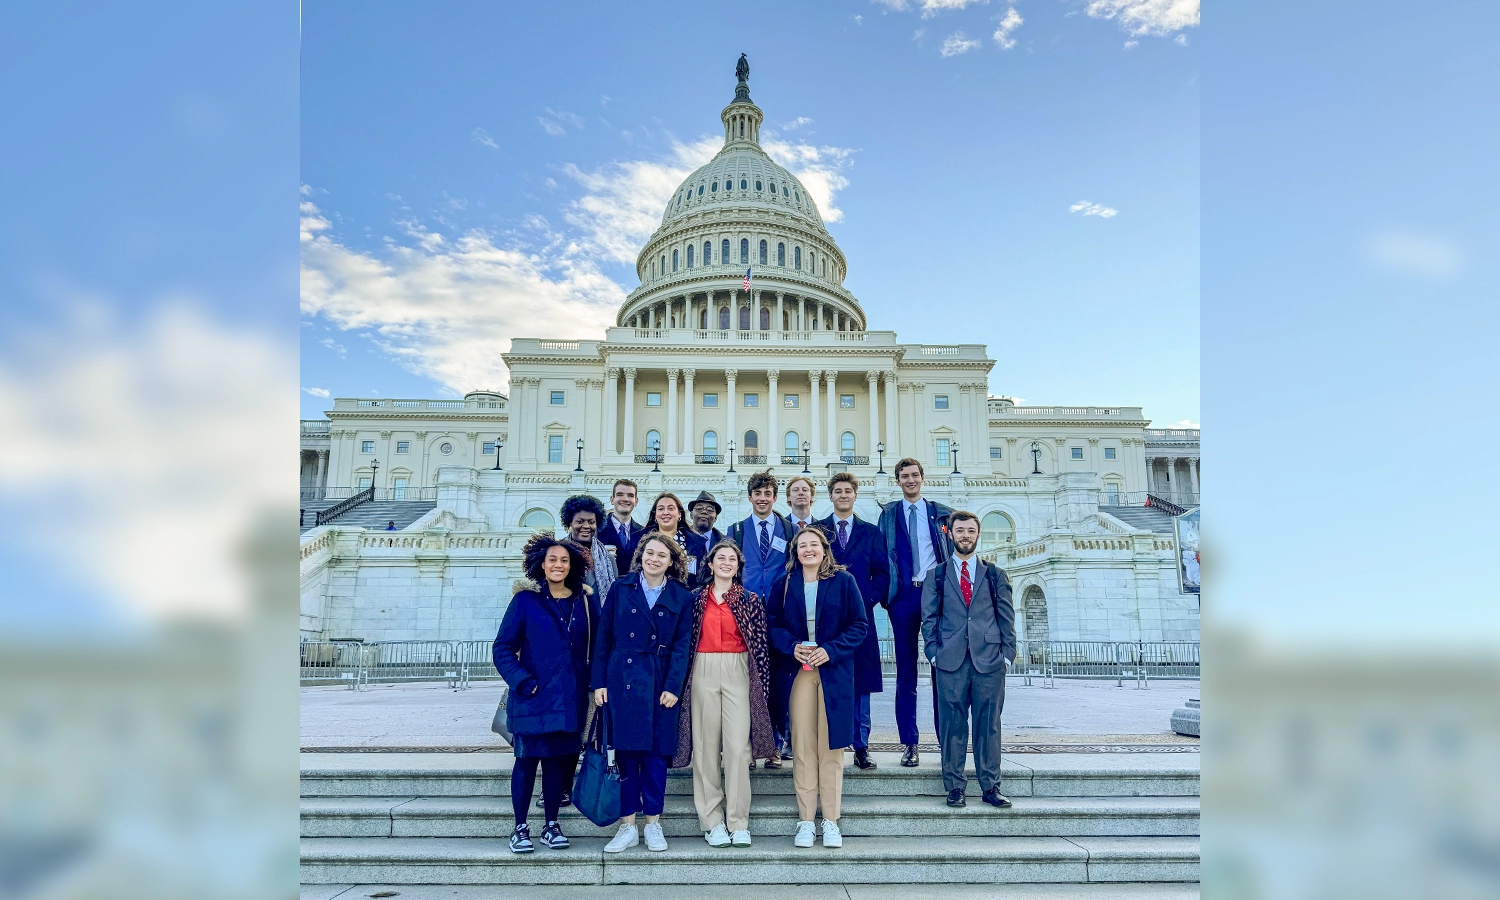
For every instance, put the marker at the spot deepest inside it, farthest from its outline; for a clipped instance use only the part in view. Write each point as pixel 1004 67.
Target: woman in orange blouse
pixel 724 702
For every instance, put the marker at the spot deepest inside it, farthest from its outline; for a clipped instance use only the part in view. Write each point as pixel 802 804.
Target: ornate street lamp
pixel 953 448
pixel 731 455
pixel 1036 456
pixel 880 455
pixel 579 445
pixel 806 456
pixel 498 444
pixel 374 470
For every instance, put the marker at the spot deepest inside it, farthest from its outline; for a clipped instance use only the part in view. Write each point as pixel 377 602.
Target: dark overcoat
pixel 898 543
pixel 750 617
pixel 865 558
pixel 693 544
pixel 545 661
pixel 841 629
pixel 609 534
pixel 641 651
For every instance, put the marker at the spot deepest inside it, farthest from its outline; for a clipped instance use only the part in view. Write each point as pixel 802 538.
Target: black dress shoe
pixel 994 798
pixel 862 758
pixel 773 763
pixel 909 758
pixel 956 797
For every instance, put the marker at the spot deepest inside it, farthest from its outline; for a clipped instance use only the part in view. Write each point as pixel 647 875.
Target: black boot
pixel 910 758
pixel 862 758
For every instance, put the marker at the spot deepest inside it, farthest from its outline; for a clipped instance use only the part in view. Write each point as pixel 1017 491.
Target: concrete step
pixel 1148 517
pixel 861 817
pixel 1079 891
pixel 772 860
pixel 1022 775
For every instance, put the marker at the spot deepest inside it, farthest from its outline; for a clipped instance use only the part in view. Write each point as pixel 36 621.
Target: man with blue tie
pixel 859 548
pixel 619 530
pixel 916 541
pixel 765 539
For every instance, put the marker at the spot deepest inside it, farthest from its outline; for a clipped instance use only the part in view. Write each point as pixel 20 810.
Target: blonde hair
pixel 812 488
pixel 827 567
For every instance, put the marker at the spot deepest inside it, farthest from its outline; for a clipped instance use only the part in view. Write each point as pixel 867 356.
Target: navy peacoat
pixel 693 544
pixel 640 652
pixel 545 660
pixel 841 629
pixel 865 558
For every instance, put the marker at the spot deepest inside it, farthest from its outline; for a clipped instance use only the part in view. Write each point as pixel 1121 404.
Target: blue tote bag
pixel 596 788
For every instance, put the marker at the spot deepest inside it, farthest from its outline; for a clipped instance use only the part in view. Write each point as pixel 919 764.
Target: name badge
pixel 778 545
pixel 692 565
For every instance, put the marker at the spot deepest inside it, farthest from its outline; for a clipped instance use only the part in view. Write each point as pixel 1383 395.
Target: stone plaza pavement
pixel 429 714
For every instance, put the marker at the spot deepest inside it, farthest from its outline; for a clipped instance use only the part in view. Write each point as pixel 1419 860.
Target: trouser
pixel 555 780
pixel 906 635
pixel 862 722
pixel 721 725
pixel 643 782
pixel 963 694
pixel 817 771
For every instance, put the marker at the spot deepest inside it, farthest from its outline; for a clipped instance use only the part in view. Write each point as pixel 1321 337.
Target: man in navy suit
pixel 618 529
pixel 916 541
pixel 765 540
pixel 859 548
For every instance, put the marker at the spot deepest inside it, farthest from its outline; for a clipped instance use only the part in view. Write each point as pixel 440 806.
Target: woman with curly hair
pixel 669 517
pixel 544 651
pixel 724 700
pixel 640 663
pixel 582 515
pixel 819 621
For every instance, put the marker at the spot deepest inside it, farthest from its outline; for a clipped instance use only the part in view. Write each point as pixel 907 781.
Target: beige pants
pixel 817 772
pixel 721 724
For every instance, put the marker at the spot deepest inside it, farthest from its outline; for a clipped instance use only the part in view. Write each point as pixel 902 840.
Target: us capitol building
pixel 702 382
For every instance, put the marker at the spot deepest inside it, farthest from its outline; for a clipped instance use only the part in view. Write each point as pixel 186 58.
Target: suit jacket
pixel 609 535
pixel 759 579
pixel 639 652
pixel 692 543
pixel 840 630
pixel 898 544
pixel 985 630
pixel 865 559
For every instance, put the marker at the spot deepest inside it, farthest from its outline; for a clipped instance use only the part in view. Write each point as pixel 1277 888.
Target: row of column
pixel 664 314
pixel 1171 461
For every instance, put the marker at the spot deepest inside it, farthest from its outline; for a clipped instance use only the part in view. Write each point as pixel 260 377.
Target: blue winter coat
pixel 545 660
pixel 841 629
pixel 865 558
pixel 641 651
pixel 693 544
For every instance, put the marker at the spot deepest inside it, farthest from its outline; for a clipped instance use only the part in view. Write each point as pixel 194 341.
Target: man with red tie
pixel 969 634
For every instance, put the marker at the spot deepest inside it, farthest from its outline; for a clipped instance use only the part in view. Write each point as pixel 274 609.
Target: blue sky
pixel 474 172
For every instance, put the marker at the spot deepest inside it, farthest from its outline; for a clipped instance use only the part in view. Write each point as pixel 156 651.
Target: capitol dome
pixel 742 211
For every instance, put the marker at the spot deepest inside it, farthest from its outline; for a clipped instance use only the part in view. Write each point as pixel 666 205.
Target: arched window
pixel 743 183
pixel 674 260
pixel 700 190
pixel 846 447
pixel 765 318
pixel 723 318
pixel 724 252
pixel 715 188
pixel 744 250
pixel 752 443
pixel 653 444
pixel 792 445
pixel 783 191
pixel 798 197
pixel 742 134
pixel 708 252
pixel 996 530
pixel 664 264
pixel 825 267
pixel 780 255
pixel 703 319
pixel 744 318
pixel 690 256
pixel 773 188
pixel 797 258
pixel 762 252
pixel 538 519
pixel 710 443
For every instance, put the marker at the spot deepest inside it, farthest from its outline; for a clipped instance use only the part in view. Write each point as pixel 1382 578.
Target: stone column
pixel 815 440
pixel 832 445
pixel 611 409
pixel 593 420
pixel 773 448
pixel 755 311
pixel 671 445
pixel 321 482
pixel 872 378
pixel 687 411
pixel 1171 477
pixel 629 436
pixel 1193 463
pixel 892 445
pixel 781 323
pixel 731 376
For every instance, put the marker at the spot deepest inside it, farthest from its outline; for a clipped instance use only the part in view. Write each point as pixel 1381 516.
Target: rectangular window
pixel 789 401
pixel 1077 452
pixel 1109 453
pixel 399 491
pixel 554 448
pixel 366 446
pixel 1112 491
pixel 403 446
pixel 653 398
pixel 710 401
pixel 558 397
pixel 994 453
pixel 939 401
pixel 489 447
pixel 752 401
pixel 364 482
pixel 846 401
pixel 942 452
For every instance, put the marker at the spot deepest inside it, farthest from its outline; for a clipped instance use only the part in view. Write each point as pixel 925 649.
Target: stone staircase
pixel 1148 517
pixel 373 515
pixel 1087 820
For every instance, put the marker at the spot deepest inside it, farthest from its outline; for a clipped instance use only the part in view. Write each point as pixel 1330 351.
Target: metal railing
pixel 382 493
pixel 1137 661
pixel 1180 499
pixel 795 460
pixel 710 459
pixel 752 459
pixel 338 509
pixel 649 458
pixel 853 460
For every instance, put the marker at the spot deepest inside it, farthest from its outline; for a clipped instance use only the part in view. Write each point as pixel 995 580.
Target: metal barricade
pixel 477 659
pixel 332 662
pixel 1164 659
pixel 392 661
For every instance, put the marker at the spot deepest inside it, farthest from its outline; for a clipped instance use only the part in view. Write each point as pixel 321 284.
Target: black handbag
pixel 596 788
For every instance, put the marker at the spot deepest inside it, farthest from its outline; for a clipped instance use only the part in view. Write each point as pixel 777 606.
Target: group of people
pixel 720 650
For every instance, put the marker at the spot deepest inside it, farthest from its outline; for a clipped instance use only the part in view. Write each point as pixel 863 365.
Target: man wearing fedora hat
pixel 704 512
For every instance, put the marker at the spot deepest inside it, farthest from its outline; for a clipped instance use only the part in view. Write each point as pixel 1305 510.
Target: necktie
pixel 964 584
pixel 624 531
pixel 916 548
pixel 843 534
pixel 765 542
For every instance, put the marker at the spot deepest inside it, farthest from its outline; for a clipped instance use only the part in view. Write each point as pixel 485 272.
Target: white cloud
pixel 624 201
pixel 1182 39
pixel 335 346
pixel 551 127
pixel 1132 44
pixel 931 8
pixel 483 137
pixel 575 121
pixel 316 392
pixel 859 20
pixel 1008 23
pixel 1152 17
pixel 796 123
pixel 958 43
pixel 1185 423
pixel 1410 253
pixel 820 169
pixel 1093 209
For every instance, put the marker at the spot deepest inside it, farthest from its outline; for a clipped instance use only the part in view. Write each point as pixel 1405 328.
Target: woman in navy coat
pixel 640 663
pixel 669 517
pixel 544 652
pixel 822 637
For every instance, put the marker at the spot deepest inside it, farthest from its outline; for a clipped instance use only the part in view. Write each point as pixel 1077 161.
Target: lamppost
pixel 498 444
pixel 731 455
pixel 1036 456
pixel 374 470
pixel 806 456
pixel 655 457
pixel 880 455
pixel 579 445
pixel 953 448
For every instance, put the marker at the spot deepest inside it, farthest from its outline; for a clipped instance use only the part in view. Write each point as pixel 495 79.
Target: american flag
pixel 747 280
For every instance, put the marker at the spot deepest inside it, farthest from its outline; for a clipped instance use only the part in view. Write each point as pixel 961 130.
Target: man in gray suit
pixel 969 633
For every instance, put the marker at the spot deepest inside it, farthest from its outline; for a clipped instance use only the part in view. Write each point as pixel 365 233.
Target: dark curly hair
pixel 535 552
pixel 676 569
pixel 581 503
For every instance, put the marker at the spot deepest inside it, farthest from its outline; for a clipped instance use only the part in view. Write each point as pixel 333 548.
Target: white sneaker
pixel 718 837
pixel 831 835
pixel 626 837
pixel 655 840
pixel 741 838
pixel 805 832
